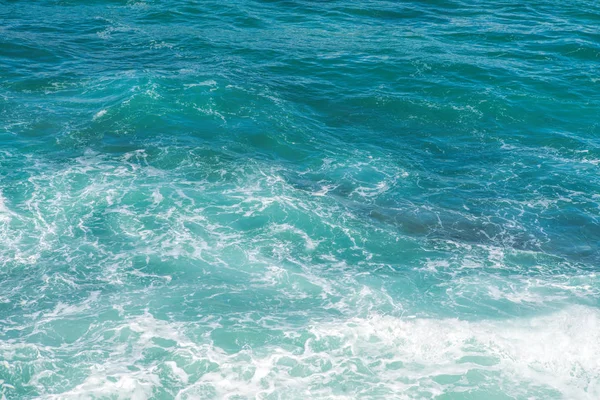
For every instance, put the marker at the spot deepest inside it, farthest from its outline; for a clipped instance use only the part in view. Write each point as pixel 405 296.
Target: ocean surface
pixel 261 199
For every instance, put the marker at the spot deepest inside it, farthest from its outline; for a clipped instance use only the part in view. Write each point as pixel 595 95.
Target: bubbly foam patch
pixel 100 114
pixel 136 276
pixel 554 355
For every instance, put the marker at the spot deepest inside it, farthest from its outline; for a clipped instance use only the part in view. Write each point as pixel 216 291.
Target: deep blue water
pixel 300 199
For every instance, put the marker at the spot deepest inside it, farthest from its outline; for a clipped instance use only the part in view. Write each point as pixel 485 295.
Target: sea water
pixel 300 199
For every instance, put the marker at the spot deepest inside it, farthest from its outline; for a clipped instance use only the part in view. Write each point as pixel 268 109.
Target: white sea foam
pixel 309 242
pixel 5 213
pixel 157 197
pixel 210 82
pixel 3 207
pixel 403 358
pixel 77 212
pixel 558 352
pixel 100 114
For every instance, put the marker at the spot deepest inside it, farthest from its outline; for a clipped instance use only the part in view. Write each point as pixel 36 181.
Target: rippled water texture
pixel 300 199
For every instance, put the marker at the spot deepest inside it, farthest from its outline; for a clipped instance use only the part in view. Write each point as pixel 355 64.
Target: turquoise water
pixel 300 199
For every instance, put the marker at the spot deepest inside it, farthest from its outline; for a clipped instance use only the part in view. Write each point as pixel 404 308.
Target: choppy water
pixel 300 199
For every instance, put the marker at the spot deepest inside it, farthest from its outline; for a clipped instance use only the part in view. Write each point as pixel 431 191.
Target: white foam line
pixel 530 357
